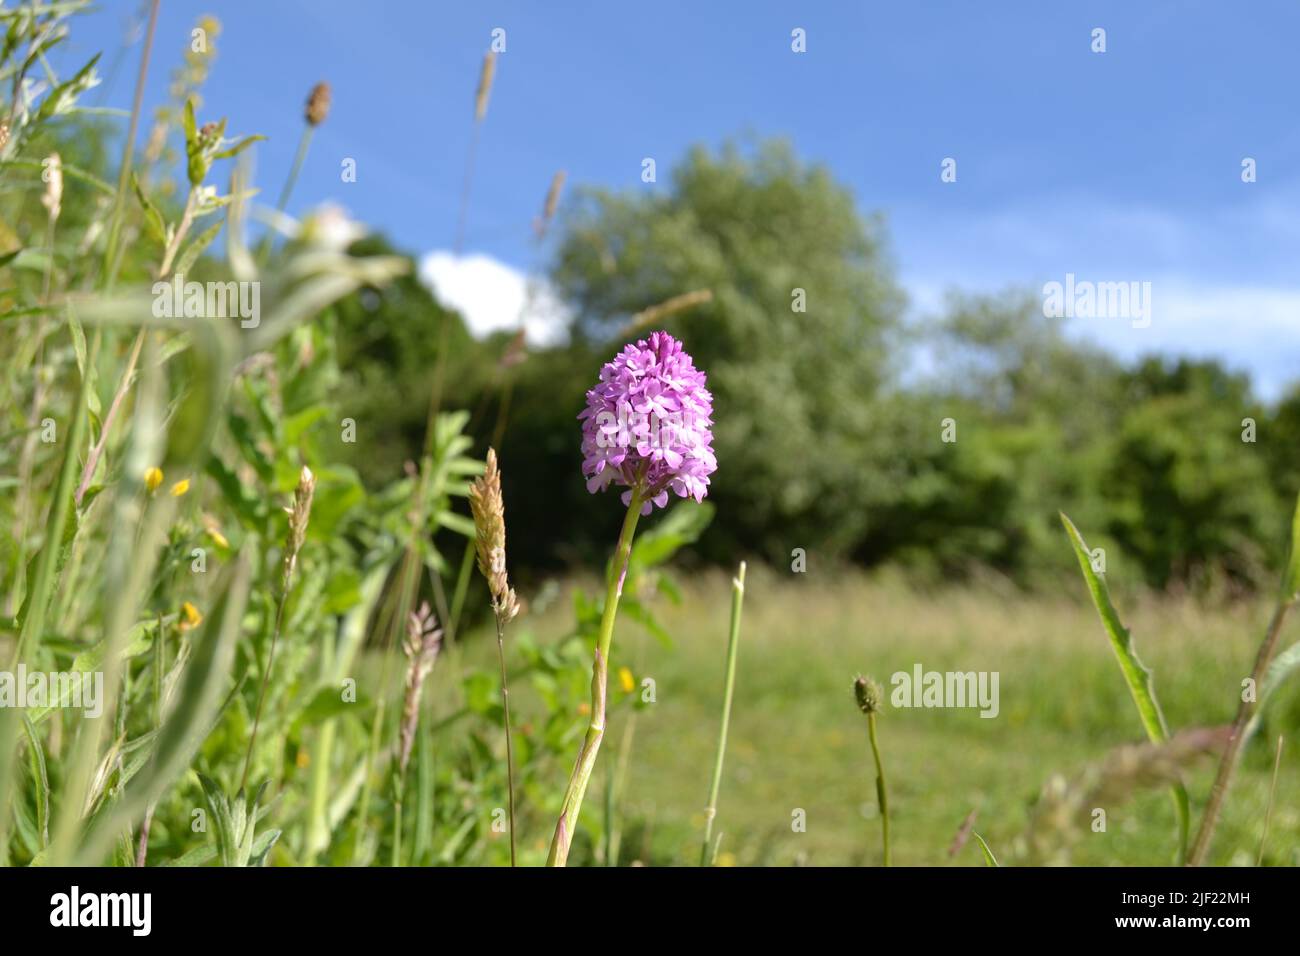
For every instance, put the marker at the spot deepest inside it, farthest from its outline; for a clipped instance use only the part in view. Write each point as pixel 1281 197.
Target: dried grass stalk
pixel 421 646
pixel 484 93
pixel 488 508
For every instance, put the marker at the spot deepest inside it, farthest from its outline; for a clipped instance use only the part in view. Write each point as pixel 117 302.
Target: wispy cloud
pixel 1223 276
pixel 493 296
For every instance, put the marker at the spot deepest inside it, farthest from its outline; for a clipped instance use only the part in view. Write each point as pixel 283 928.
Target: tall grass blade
pixel 41 777
pixel 40 588
pixel 989 858
pixel 1272 794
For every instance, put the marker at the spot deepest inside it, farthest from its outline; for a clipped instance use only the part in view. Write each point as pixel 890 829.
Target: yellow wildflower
pixel 153 477
pixel 190 616
pixel 214 531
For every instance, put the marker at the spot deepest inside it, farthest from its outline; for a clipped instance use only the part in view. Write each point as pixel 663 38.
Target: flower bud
pixel 868 694
pixel 318 104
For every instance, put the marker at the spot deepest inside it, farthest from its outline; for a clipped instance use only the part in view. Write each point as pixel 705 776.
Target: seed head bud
pixel 484 92
pixel 868 694
pixel 421 646
pixel 553 197
pixel 298 516
pixel 489 510
pixel 318 104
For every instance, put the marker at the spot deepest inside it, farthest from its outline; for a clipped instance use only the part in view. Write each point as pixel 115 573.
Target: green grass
pixel 798 741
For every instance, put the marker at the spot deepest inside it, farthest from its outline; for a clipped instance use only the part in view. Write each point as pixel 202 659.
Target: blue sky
pixel 1119 166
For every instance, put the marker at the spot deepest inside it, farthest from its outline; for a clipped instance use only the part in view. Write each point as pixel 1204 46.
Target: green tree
pixel 1031 410
pixel 795 340
pixel 1279 437
pixel 1188 495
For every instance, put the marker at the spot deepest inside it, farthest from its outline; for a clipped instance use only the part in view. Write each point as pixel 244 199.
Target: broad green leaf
pixel 196 857
pixel 92 659
pixel 1279 671
pixel 41 778
pixel 261 847
pixel 681 526
pixel 61 98
pixel 1291 581
pixel 1135 673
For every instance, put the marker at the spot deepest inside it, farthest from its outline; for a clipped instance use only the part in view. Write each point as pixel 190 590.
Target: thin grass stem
pixel 1228 762
pixel 882 790
pixel 1272 794
pixel 733 644
pixel 510 752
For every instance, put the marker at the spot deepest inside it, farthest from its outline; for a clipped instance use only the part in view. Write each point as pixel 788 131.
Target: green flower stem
pixel 510 751
pixel 1240 730
pixel 733 643
pixel 299 159
pixel 882 793
pixel 581 775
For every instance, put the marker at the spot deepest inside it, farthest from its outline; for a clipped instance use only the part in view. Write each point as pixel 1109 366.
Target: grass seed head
pixel 489 510
pixel 484 93
pixel 298 517
pixel 552 202
pixel 421 646
pixel 868 694
pixel 318 104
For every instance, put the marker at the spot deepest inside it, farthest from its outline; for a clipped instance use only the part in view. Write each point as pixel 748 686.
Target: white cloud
pixel 1249 327
pixel 493 296
pixel 1246 326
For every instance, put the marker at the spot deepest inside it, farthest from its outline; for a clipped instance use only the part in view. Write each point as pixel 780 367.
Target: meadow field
pixel 797 740
pixel 304 564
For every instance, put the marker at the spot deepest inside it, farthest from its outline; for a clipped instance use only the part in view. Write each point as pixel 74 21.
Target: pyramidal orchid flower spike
pixel 646 429
pixel 648 422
